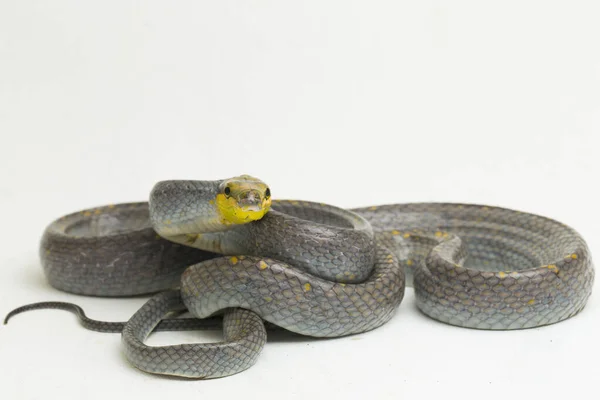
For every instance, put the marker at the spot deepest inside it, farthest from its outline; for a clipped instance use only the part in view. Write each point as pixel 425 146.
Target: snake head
pixel 242 199
pixel 185 207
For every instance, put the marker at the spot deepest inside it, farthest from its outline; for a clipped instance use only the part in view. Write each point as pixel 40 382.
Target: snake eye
pixel 227 191
pixel 268 193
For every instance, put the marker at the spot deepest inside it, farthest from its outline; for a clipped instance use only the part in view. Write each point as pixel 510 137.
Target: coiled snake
pixel 213 247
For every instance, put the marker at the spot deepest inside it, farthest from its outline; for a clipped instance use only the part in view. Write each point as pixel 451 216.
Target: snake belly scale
pixel 229 254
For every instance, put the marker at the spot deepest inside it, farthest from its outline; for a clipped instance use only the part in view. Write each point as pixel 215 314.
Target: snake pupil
pixel 268 193
pixel 227 191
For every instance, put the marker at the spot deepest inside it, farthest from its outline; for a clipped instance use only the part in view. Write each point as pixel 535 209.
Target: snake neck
pixel 185 208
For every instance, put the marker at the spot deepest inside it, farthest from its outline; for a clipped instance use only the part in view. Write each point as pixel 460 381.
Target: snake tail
pixel 169 324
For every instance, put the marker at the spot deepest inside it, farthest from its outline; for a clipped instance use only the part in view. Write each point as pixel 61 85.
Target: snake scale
pixel 233 257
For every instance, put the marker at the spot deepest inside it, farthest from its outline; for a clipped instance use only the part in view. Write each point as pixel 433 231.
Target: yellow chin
pixel 232 213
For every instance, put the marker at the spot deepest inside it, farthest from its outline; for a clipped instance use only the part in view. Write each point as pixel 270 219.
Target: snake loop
pixel 306 267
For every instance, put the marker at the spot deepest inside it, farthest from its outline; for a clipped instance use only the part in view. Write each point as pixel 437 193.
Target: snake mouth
pixel 252 208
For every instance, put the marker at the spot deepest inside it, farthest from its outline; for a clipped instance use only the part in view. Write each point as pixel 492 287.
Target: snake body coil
pixel 309 268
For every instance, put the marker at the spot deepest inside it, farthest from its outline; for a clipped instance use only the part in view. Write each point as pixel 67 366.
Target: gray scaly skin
pixel 487 267
pixel 310 268
pixel 113 251
pixel 244 336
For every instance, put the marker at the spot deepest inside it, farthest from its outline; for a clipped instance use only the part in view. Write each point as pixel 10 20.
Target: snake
pixel 231 256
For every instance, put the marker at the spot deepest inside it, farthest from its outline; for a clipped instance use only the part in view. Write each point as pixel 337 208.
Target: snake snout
pixel 251 200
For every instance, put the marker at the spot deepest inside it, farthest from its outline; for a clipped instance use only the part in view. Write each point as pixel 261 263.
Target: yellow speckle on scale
pixel 294 202
pixel 502 274
pixel 373 208
pixel 234 260
pixel 97 211
pixel 406 235
pixel 268 299
pixel 306 287
pixel 47 251
pixel 211 202
pixel 530 302
pixel 168 222
pixel 409 262
pixel 553 268
pixel 438 234
pixel 111 206
pixel 394 232
pixel 87 214
pixel 574 256
pixel 262 265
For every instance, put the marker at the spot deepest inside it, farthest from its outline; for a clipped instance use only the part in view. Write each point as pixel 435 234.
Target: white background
pixel 348 102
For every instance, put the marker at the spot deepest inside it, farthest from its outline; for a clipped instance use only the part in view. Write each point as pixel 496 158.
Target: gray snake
pixel 228 254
